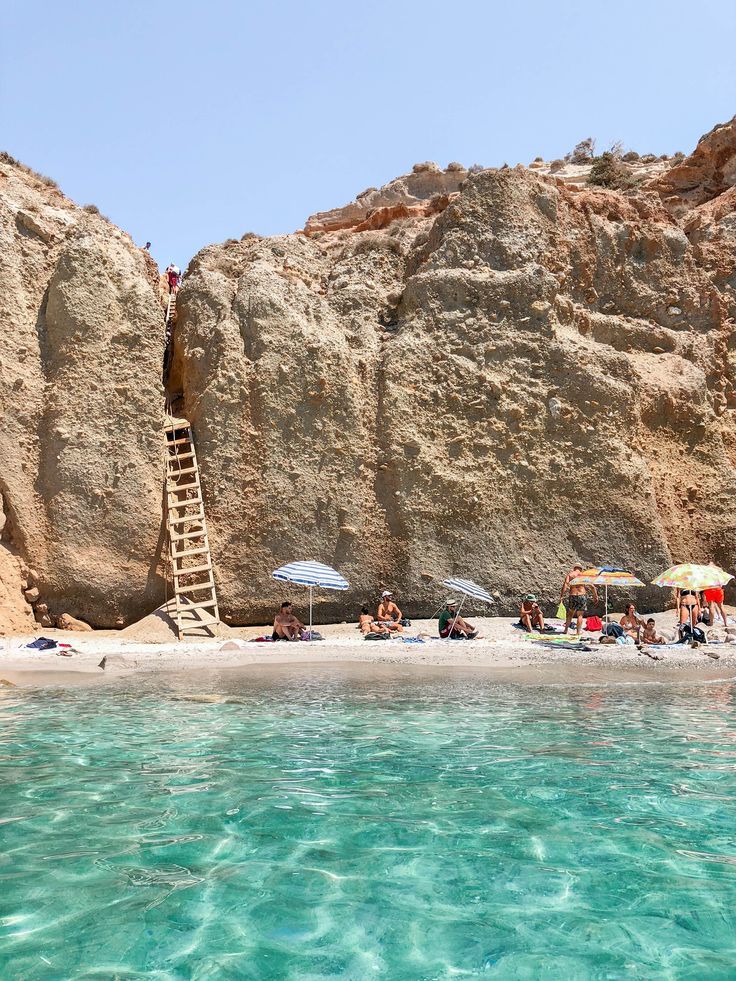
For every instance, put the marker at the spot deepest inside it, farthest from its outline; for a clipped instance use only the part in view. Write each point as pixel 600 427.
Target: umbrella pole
pixel 605 591
pixel 310 612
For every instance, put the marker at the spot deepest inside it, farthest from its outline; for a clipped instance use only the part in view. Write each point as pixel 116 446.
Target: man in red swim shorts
pixel 714 598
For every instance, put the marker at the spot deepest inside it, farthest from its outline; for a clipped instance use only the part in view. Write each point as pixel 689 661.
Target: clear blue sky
pixel 192 122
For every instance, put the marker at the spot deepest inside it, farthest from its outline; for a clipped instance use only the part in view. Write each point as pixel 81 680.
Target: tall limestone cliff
pixel 81 406
pixel 537 372
pixel 483 373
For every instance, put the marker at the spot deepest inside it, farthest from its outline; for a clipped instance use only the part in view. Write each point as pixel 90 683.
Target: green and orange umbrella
pixel 605 575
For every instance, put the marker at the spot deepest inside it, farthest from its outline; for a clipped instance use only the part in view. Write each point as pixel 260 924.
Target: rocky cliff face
pixel 539 373
pixel 81 403
pixel 489 374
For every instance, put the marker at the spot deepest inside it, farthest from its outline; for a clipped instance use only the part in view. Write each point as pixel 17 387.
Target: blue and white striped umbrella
pixel 468 588
pixel 311 574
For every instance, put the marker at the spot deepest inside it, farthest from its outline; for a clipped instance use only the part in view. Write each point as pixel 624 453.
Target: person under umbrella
pixel 453 626
pixel 311 574
pixel 689 579
pixel 605 575
pixel 468 588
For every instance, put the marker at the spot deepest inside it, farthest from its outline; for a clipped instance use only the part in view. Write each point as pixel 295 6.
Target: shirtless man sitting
pixel 529 613
pixel 388 612
pixel 577 602
pixel 285 625
pixel 368 625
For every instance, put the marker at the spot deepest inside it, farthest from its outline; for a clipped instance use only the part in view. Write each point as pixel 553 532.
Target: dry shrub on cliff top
pixel 610 171
pixel 583 152
pixel 7 158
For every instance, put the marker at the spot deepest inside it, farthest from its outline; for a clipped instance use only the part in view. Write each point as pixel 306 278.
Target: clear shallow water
pixel 325 828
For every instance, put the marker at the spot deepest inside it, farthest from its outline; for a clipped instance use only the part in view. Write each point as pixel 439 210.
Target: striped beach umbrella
pixel 311 574
pixel 468 588
pixel 605 575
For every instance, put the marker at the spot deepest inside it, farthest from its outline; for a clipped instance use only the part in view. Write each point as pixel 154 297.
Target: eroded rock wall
pixel 81 401
pixel 488 374
pixel 540 373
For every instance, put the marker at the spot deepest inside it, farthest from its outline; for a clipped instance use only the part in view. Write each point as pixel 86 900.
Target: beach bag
pixel 687 634
pixel 314 635
pixel 624 640
pixel 594 623
pixel 614 630
pixel 561 612
pixel 377 637
pixel 405 622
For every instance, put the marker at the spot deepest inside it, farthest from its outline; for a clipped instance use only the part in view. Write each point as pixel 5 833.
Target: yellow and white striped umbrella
pixel 691 576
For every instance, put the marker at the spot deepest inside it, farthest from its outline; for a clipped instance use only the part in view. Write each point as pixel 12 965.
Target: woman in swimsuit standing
pixel 688 605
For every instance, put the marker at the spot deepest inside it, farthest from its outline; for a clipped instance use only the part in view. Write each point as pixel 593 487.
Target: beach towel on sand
pixel 43 644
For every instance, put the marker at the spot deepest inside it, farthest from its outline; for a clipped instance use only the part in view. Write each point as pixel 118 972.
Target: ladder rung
pixel 172 488
pixel 192 551
pixel 190 572
pixel 186 519
pixel 198 606
pixel 177 442
pixel 182 456
pixel 189 534
pixel 173 472
pixel 183 504
pixel 195 587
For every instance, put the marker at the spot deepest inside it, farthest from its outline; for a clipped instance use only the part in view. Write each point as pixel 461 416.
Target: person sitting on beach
pixel 577 602
pixel 649 633
pixel 530 615
pixel 285 625
pixel 368 625
pixel 453 626
pixel 631 623
pixel 388 612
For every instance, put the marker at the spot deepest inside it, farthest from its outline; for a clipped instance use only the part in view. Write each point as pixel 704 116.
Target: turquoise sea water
pixel 325 827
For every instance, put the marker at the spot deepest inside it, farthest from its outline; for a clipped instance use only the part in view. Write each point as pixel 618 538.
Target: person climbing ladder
pixel 173 274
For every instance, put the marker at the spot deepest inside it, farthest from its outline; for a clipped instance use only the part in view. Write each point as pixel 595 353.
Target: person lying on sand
pixel 368 625
pixel 285 625
pixel 530 615
pixel 577 601
pixel 649 633
pixel 631 622
pixel 450 621
pixel 388 612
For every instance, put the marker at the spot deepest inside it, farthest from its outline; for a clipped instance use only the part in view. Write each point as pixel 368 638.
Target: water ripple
pixel 317 827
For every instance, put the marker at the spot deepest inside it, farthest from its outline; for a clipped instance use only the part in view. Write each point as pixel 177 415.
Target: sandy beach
pixel 504 652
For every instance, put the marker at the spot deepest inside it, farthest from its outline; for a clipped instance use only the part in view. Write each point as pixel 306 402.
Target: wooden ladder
pixel 189 548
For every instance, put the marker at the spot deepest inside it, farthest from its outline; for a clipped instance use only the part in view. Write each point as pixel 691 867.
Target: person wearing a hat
pixel 450 621
pixel 530 616
pixel 388 612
